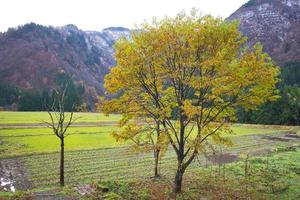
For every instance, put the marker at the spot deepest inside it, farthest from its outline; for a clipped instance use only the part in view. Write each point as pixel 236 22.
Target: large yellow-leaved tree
pixel 179 81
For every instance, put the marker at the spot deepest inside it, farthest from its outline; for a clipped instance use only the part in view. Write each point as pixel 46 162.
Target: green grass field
pixel 41 140
pixel 39 117
pixel 93 154
pixel 24 141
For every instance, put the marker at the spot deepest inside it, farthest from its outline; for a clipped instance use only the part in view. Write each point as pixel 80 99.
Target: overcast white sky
pixel 99 14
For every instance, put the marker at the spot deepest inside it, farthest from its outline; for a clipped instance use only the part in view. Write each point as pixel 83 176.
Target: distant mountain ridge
pixel 274 23
pixel 32 55
pixel 104 39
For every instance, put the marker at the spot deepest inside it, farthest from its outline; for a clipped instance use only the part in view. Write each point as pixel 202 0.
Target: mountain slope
pixel 32 55
pixel 274 23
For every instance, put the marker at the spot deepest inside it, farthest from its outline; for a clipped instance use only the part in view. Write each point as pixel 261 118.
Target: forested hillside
pixel 33 56
pixel 275 24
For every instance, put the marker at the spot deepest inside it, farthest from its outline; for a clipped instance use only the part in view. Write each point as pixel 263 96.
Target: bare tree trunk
pixel 179 174
pixel 60 122
pixel 157 151
pixel 180 157
pixel 178 181
pixel 156 158
pixel 62 162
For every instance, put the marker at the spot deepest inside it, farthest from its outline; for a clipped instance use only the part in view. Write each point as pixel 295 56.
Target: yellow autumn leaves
pixel 182 79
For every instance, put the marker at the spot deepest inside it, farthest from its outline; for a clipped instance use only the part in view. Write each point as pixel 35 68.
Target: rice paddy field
pixel 29 153
pixel 39 117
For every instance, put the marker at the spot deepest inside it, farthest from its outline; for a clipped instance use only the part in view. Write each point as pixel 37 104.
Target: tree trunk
pixel 62 154
pixel 178 181
pixel 179 174
pixel 180 158
pixel 156 158
pixel 156 151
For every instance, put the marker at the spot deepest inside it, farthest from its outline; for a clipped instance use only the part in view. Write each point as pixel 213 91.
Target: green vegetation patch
pixel 239 130
pixel 275 176
pixel 39 117
pixel 40 140
pixel 24 141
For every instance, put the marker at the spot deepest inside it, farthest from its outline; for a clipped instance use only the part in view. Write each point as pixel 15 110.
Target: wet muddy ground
pixel 13 175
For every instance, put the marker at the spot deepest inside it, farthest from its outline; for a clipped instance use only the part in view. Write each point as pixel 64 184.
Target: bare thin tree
pixel 60 121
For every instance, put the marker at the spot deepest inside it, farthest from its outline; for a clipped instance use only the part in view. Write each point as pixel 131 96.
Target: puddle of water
pixel 7 185
pixel 12 188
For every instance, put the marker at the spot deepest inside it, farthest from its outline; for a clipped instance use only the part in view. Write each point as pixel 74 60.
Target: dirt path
pixel 49 195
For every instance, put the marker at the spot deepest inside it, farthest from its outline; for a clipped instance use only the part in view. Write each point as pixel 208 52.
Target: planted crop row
pixel 119 163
